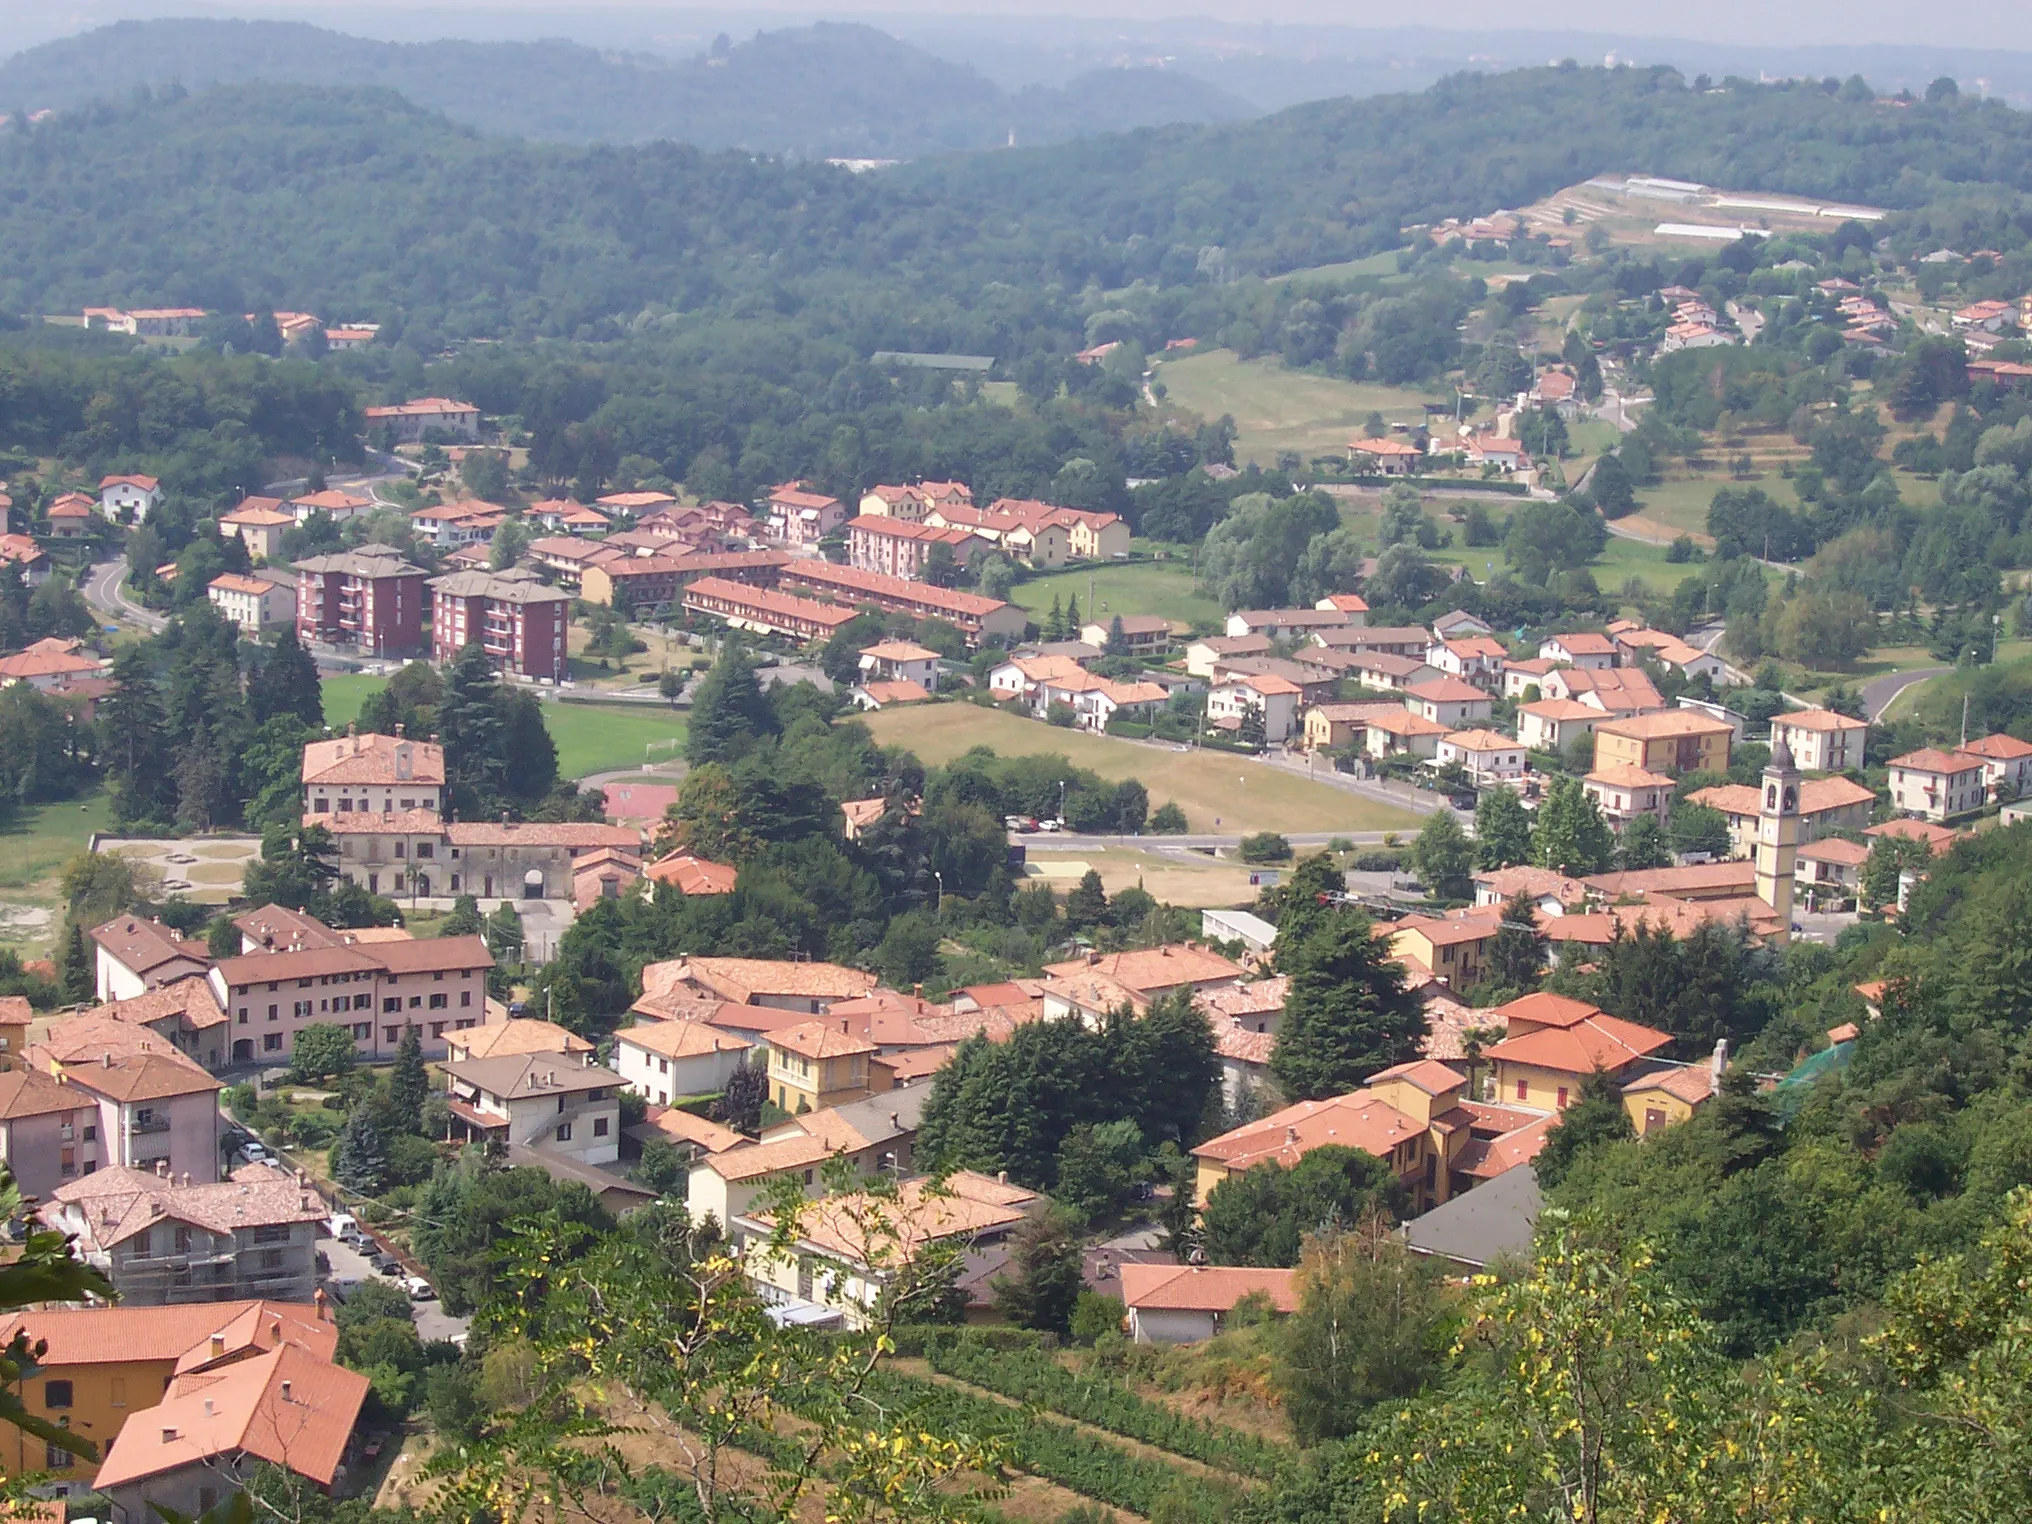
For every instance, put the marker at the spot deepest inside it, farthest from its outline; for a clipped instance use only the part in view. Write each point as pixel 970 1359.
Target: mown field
pixel 1276 409
pixel 1217 791
pixel 1163 588
pixel 35 843
pixel 591 738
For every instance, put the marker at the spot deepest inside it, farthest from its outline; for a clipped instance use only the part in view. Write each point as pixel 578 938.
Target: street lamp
pixel 1061 801
pixel 940 878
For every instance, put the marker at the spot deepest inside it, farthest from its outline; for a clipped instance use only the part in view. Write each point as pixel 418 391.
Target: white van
pixel 343 1226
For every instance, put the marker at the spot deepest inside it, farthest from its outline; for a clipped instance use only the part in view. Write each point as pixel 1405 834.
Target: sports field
pixel 1218 792
pixel 1276 409
pixel 1164 588
pixel 591 738
pixel 35 843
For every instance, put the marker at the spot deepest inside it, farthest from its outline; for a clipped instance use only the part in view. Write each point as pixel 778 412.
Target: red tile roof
pixel 1205 1288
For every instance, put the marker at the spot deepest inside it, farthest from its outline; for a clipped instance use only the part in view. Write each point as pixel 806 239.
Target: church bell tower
pixel 1778 837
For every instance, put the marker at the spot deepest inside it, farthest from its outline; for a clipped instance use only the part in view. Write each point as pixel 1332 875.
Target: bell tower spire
pixel 1778 836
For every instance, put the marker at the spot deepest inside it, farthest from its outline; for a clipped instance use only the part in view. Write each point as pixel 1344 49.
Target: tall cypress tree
pixel 408 1083
pixel 287 683
pixel 469 725
pixel 135 736
pixel 74 975
pixel 1348 1014
pixel 360 1157
pixel 729 713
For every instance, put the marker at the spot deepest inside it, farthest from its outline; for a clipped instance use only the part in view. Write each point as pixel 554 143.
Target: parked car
pixel 386 1264
pixel 419 1289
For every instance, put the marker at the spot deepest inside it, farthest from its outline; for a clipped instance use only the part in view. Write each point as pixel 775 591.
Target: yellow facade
pixel 800 1084
pixel 92 1400
pixel 1091 544
pixel 1676 755
pixel 1534 1088
pixel 1459 963
pixel 1651 1110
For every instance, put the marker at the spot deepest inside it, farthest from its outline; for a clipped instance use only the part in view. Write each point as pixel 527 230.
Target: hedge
pixel 1032 1376
pixel 1128 729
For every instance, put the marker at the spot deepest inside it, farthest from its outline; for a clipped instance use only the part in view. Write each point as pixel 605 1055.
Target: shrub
pixel 1094 1315
pixel 1167 820
pixel 1265 847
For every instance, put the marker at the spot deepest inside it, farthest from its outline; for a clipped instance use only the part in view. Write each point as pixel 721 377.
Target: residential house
pixel 163 1240
pixel 372 774
pixel 1188 1304
pixel 1336 727
pixel 900 661
pixel 28 560
pixel 1316 683
pixel 463 522
pixel 662 1061
pixel 683 873
pixel 1353 605
pixel 896 548
pixel 1448 701
pixel 286 1407
pixel 2007 764
pixel 16 1017
pixel 569 518
pixel 808 988
pixel 1454 948
pixel 513 859
pixel 515 1037
pixel 1826 805
pixel 800 518
pixel 567 558
pixel 1088 989
pixel 1554 392
pixel 637 505
pixel 49 1131
pixel 369 599
pixel 1022 678
pixel 1476 659
pixel 818 1064
pixel 1202 654
pixel 763 610
pixel 1290 624
pixel 49 670
pixel 1487 756
pixel 71 517
pixel 1506 455
pixel 1273 700
pixel 1380 671
pixel 1406 734
pixel 129 499
pixel 552 1103
pixel 1581 649
pixel 1937 785
pixel 1493 1223
pixel 1095 700
pixel 872 1137
pixel 183 1014
pixel 1358 635
pixel 1831 869
pixel 977 617
pixel 1623 793
pixel 413 421
pixel 647 584
pixel 1551 894
pixel 100 1366
pixel 1674 741
pixel 1555 724
pixel 1144 634
pixel 333 504
pixel 253 602
pixel 1617 691
pixel 1822 741
pixel 156 1108
pixel 1385 457
pixel 519 622
pixel 375 989
pixel 1091 535
pixel 1044 544
pixel 1552 1043
pixel 832 1272
pixel 133 954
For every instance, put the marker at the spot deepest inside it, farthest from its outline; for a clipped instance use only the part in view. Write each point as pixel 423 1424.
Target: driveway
pixel 432 1321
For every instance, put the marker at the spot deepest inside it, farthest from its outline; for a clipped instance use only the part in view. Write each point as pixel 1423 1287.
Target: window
pixel 425 849
pixel 91 1132
pixel 465 997
pixel 391 1034
pixel 564 1132
pixel 56 1394
pixel 243 1015
pixel 117 1388
pixel 1523 1090
pixel 663 1066
pixel 271 1042
pixel 390 1004
pixel 439 1002
pixel 301 1008
pixel 183 1240
pixel 274 1012
pixel 599 1127
pixel 1562 1098
pixel 362 1030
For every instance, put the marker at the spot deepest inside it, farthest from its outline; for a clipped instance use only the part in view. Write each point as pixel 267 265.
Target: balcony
pixel 138 1128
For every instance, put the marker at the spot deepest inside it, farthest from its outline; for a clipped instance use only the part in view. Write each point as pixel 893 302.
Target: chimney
pixel 218 1345
pixel 1721 1058
pixel 896 1119
pixel 168 1435
pixel 323 1305
pixel 186 1178
pixel 105 1060
pixel 1001 1177
pixel 1291 1136
pixel 285 1391
pixel 209 1410
pixel 399 728
pixel 162 1170
pixel 275 1329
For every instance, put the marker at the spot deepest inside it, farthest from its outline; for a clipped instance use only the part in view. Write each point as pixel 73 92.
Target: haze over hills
pixel 827 90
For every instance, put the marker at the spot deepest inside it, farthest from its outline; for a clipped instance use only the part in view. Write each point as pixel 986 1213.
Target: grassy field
pixel 1242 795
pixel 1164 588
pixel 1277 409
pixel 1194 883
pixel 591 738
pixel 35 843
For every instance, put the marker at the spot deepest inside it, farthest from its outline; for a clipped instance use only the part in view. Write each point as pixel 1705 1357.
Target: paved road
pixel 1068 841
pixel 432 1321
pixel 106 592
pixel 1879 692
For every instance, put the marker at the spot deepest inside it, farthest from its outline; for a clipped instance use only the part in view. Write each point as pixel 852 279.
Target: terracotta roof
pixel 1998 748
pixel 15 1011
pixel 181 1333
pixel 1624 775
pixel 1545 1009
pixel 1205 1288
pixel 1535 882
pixel 1833 849
pixel 639 801
pixel 1819 719
pixel 519 1076
pixel 1667 723
pixel 1815 796
pixel 1360 1119
pixel 421 407
pixel 917 1215
pixel 750 1161
pixel 684 1039
pixel 578 835
pixel 848 581
pixel 190 999
pixel 118 1202
pixel 1486 1158
pixel 287 1406
pixel 1929 759
pixel 1443 930
pixel 1155 968
pixel 1595 1041
pixel 1425 1074
pixel 899 650
pixel 681 1126
pixel 1695 877
pixel 899 691
pixel 1482 740
pixel 514 1037
pixel 1692 1083
pixel 744 979
pixel 1446 690
pixel 693 875
pixel 390 823
pixel 32 1093
pixel 27 664
pixel 1260 997
pixel 1243 1045
pixel 374 759
pixel 1939 837
pixel 820 1039
pixel 1405 723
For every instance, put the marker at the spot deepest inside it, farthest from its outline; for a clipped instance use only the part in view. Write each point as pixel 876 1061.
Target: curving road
pixel 105 590
pixel 1879 692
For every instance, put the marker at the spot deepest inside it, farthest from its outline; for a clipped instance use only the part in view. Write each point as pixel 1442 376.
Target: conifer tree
pixel 74 975
pixel 360 1158
pixel 1348 1013
pixel 408 1083
pixel 287 683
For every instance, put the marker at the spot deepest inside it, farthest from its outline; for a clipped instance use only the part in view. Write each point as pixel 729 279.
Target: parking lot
pixel 349 1264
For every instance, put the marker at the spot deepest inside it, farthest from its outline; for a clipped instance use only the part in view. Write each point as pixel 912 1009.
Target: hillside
pixel 813 92
pixel 357 201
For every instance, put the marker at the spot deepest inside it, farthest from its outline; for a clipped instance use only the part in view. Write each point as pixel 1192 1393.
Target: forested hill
pixel 359 204
pixel 817 91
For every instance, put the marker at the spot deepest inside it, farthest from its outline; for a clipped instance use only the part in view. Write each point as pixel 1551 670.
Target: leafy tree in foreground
pixel 1043 1281
pixel 1263 1215
pixel 1571 837
pixel 360 1158
pixel 1444 856
pixel 1595 1118
pixel 1502 829
pixel 322 1050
